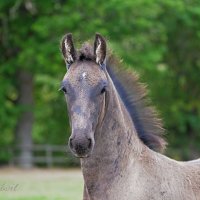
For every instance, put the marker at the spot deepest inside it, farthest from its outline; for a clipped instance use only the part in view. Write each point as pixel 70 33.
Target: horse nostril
pixel 90 143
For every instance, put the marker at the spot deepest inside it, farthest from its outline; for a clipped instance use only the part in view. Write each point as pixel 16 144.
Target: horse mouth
pixel 80 152
pixel 80 155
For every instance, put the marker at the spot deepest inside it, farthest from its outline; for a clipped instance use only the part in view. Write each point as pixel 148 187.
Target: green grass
pixel 41 184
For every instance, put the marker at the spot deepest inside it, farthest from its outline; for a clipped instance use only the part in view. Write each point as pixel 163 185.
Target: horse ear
pixel 100 49
pixel 68 50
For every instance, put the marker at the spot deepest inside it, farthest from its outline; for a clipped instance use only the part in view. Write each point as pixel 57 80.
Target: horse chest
pixel 133 186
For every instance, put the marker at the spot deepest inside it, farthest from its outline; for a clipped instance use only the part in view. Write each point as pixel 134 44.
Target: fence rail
pixel 48 155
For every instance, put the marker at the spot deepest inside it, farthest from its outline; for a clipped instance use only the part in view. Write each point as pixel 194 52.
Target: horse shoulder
pixel 165 178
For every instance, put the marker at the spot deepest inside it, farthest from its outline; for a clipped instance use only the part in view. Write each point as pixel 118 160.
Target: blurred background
pixel 159 39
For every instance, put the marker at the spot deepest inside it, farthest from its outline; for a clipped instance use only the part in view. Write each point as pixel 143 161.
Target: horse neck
pixel 117 133
pixel 116 143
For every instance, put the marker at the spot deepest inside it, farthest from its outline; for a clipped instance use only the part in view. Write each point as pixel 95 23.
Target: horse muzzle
pixel 81 146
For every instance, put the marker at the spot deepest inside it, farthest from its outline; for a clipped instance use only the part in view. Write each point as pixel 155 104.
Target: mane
pixel 134 96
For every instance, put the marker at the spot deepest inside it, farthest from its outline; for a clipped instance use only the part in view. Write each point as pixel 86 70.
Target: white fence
pixel 48 155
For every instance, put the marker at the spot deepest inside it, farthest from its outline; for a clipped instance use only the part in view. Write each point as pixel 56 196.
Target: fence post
pixel 11 161
pixel 49 159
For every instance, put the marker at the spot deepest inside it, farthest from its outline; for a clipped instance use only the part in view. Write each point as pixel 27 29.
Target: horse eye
pixel 63 89
pixel 103 90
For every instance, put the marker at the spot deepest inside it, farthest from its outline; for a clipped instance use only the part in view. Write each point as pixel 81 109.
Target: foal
pixel 116 135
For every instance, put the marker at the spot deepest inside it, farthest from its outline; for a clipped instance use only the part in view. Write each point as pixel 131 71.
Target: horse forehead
pixel 85 74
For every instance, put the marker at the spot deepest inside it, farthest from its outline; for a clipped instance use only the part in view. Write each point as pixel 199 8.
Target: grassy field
pixel 40 184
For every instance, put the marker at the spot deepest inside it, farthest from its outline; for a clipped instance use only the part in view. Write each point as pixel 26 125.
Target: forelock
pixel 86 52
